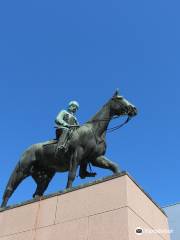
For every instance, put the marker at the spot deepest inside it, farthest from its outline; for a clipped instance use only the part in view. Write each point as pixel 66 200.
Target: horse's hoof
pixel 82 176
pixel 37 197
pixel 88 174
pixel 92 174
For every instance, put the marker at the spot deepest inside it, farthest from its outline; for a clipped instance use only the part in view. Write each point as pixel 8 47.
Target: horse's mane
pixel 96 116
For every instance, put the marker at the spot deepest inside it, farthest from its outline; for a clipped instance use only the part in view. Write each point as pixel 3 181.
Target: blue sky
pixel 52 52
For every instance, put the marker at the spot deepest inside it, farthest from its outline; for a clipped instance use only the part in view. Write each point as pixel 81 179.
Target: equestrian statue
pixel 79 146
pixel 64 122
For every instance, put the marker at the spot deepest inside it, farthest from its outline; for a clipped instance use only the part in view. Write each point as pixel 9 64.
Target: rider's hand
pixel 74 125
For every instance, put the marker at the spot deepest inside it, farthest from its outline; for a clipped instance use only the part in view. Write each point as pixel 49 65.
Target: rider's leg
pixel 63 139
pixel 58 133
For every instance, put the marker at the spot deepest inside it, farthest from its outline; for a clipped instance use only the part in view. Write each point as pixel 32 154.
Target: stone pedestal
pixel 108 209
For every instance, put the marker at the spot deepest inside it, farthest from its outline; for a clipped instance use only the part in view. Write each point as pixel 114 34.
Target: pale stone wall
pixel 110 209
pixel 173 213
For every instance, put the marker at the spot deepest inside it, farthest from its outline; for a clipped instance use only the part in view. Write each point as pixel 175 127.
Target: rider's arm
pixel 60 119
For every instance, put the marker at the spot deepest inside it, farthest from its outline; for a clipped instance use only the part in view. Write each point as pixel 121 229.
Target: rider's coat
pixel 65 118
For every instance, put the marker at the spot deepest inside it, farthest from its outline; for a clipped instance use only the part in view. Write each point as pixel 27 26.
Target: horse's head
pixel 120 106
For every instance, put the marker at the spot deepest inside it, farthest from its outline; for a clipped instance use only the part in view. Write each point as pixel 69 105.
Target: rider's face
pixel 73 108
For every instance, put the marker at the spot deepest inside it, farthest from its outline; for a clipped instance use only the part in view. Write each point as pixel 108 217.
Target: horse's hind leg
pixel 103 162
pixel 42 179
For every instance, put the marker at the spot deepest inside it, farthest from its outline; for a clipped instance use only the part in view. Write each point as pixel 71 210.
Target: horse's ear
pixel 116 93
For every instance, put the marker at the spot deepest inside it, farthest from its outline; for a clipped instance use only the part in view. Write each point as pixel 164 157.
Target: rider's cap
pixel 74 103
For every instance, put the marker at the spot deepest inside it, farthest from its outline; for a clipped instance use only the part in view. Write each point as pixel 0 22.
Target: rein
pixel 109 130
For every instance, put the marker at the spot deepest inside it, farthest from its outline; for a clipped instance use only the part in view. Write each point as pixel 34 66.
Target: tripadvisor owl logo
pixel 139 231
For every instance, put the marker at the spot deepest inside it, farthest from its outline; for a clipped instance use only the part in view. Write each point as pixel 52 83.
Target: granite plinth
pixel 108 209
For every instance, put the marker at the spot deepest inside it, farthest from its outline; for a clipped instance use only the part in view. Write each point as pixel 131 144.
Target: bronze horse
pixel 87 145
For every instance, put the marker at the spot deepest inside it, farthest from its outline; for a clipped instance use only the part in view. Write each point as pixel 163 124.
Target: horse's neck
pixel 101 121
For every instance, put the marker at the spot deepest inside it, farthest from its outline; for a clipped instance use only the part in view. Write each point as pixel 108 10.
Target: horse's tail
pixel 21 171
pixel 14 180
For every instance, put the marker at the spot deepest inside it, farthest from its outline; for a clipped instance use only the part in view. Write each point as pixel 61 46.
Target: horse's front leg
pixel 83 173
pixel 104 162
pixel 74 161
